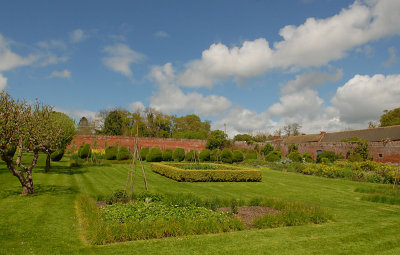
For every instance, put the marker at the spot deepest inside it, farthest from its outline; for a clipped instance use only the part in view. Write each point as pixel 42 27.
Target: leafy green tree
pixel 226 156
pixel 113 123
pixel 190 127
pixel 390 118
pixel 267 148
pixel 217 139
pixel 237 156
pixel 205 155
pixel 244 137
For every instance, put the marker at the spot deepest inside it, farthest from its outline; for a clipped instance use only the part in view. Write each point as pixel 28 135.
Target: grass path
pixel 46 223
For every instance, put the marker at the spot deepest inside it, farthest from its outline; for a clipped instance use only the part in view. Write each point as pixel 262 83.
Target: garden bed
pixel 186 172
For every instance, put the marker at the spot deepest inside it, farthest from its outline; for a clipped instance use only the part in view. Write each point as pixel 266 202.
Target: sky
pixel 254 66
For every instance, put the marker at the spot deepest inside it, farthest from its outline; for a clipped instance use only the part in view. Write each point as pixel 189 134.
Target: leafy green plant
pixel 205 155
pixel 123 153
pixel 143 152
pixel 330 156
pixel 111 152
pixel 237 156
pixel 295 156
pixel 57 155
pixel 84 151
pixel 179 154
pixel 226 156
pixel 267 148
pixel 273 156
pixel 155 155
pixel 167 155
pixel 215 155
pixel 307 157
pixel 251 154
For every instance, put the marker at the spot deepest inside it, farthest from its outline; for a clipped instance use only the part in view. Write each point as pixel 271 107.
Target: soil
pixel 248 213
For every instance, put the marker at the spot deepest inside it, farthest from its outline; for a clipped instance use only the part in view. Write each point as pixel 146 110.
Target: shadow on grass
pixel 62 170
pixel 41 189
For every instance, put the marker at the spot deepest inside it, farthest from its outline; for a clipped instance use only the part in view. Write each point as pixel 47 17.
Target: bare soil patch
pixel 248 213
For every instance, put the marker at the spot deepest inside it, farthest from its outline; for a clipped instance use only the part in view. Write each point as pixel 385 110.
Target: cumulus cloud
pixel 311 80
pixel 9 59
pixel 60 74
pixel 137 106
pixel 77 114
pixel 3 82
pixel 77 35
pixel 363 98
pixel 120 57
pixel 170 98
pixel 161 34
pixel 312 44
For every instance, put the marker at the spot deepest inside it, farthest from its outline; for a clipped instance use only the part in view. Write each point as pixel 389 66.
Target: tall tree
pixel 390 118
pixel 113 123
pixel 217 140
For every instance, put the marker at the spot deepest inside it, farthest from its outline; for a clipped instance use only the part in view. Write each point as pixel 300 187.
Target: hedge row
pixel 225 173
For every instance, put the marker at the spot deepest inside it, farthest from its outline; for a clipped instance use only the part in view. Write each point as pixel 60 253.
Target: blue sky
pixel 252 65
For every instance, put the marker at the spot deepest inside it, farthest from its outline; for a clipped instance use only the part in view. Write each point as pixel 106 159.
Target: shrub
pixel 190 156
pixel 57 155
pixel 154 155
pixel 355 157
pixel 167 155
pixel 205 155
pixel 251 154
pixel 215 155
pixel 237 156
pixel 273 156
pixel 84 151
pixel 330 155
pixel 292 148
pixel 111 152
pixel 226 156
pixel 179 154
pixel 224 173
pixel 267 148
pixel 295 156
pixel 123 153
pixel 143 152
pixel 307 157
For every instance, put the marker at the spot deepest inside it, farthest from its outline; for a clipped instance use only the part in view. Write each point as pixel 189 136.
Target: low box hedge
pixel 223 173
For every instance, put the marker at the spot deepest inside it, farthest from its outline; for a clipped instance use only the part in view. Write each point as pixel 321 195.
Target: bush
pixel 355 157
pixel 307 157
pixel 111 152
pixel 57 155
pixel 179 154
pixel 237 156
pixel 226 156
pixel 167 155
pixel 190 156
pixel 273 156
pixel 292 148
pixel 205 155
pixel 224 173
pixel 154 155
pixel 251 154
pixel 330 155
pixel 295 156
pixel 123 153
pixel 267 148
pixel 143 153
pixel 215 155
pixel 84 151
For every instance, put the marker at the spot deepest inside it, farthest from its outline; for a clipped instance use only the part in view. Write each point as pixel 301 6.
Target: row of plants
pixel 149 216
pixel 203 173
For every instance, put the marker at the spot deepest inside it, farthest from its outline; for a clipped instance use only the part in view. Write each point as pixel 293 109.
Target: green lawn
pixel 46 223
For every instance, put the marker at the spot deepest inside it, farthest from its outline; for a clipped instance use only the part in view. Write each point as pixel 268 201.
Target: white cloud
pixel 161 34
pixel 3 82
pixel 363 98
pixel 76 113
pixel 77 35
pixel 52 44
pixel 61 74
pixel 9 59
pixel 392 56
pixel 310 80
pixel 312 44
pixel 120 57
pixel 137 106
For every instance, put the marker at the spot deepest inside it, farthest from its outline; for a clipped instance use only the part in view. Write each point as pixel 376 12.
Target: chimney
pixel 322 133
pixel 276 137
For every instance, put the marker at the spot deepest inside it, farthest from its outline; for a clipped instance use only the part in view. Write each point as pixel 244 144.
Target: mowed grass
pixel 46 222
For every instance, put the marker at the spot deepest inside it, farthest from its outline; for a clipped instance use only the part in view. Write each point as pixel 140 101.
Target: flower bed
pixel 221 172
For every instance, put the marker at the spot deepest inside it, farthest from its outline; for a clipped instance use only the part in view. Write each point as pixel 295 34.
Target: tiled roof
pixel 371 134
pixel 303 139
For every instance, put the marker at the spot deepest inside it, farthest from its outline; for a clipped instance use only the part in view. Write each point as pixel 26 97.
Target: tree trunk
pixel 27 188
pixel 47 169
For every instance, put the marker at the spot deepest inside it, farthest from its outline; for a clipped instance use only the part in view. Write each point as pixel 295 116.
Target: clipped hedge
pixel 205 155
pixel 123 153
pixel 167 155
pixel 57 155
pixel 237 156
pixel 84 151
pixel 111 152
pixel 226 156
pixel 143 152
pixel 251 154
pixel 223 173
pixel 155 155
pixel 179 154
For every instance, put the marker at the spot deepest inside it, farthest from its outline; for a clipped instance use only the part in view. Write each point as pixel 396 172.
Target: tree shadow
pixel 9 193
pixel 62 170
pixel 41 189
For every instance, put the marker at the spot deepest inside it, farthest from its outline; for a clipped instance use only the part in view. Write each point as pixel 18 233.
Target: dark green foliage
pixel 111 153
pixel 113 123
pixel 244 137
pixel 217 140
pixel 154 155
pixel 355 157
pixel 267 148
pixel 84 151
pixel 237 156
pixel 190 156
pixel 143 152
pixel 123 153
pixel 10 151
pixel 360 151
pixel 390 118
pixel 179 154
pixel 273 156
pixel 224 173
pixel 292 147
pixel 57 155
pixel 205 155
pixel 329 155
pixel 226 156
pixel 295 156
pixel 167 155
pixel 215 155
pixel 307 157
pixel 192 166
pixel 251 154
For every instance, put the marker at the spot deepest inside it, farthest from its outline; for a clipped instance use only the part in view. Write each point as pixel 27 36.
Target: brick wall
pixel 101 141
